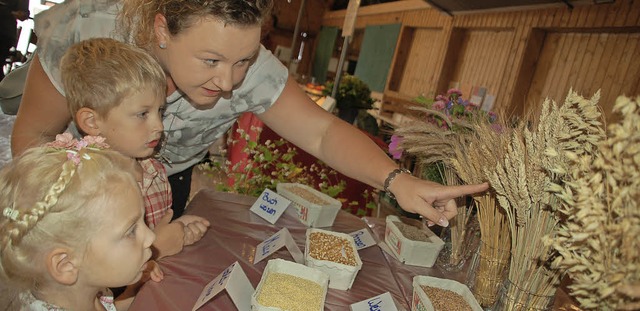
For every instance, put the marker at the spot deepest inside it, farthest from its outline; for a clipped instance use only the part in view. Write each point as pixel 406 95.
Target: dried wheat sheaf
pixel 597 241
pixel 532 162
pixel 470 153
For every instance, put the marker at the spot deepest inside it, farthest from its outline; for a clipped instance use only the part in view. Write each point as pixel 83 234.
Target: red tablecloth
pixel 233 236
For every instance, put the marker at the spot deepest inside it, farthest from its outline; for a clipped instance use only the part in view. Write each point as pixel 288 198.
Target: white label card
pixel 270 206
pixel 363 238
pixel 235 281
pixel 276 242
pixel 382 302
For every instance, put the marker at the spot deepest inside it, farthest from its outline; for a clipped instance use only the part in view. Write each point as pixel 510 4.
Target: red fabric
pixel 250 124
pixel 354 189
pixel 233 236
pixel 257 131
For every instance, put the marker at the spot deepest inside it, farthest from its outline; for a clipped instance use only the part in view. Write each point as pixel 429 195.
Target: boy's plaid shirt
pixel 156 191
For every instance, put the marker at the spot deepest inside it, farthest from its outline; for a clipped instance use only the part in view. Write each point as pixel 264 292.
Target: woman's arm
pixel 43 111
pixel 295 117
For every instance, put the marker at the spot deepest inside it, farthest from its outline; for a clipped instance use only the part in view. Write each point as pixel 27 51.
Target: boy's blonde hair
pixel 100 73
pixel 48 201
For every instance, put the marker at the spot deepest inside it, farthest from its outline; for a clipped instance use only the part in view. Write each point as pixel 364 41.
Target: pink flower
pixel 454 91
pixel 73 156
pixel 96 141
pixel 439 105
pixel 80 144
pixel 64 140
pixel 474 104
pixel 394 147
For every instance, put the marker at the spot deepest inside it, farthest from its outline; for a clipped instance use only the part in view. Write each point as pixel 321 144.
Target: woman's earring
pixel 163 45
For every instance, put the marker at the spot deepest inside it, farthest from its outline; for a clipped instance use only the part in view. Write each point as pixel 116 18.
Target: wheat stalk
pixel 597 242
pixel 459 227
pixel 470 154
pixel 521 180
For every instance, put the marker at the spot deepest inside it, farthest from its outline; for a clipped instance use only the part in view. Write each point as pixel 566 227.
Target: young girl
pixel 72 225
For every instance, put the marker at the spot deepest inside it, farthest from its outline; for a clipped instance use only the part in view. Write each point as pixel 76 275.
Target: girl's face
pixel 209 59
pixel 120 246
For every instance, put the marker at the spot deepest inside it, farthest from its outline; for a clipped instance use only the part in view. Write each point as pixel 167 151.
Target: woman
pixel 216 69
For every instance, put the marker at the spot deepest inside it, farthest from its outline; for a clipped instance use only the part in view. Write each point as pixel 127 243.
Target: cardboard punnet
pixel 410 252
pixel 311 214
pixel 421 301
pixel 341 276
pixel 291 268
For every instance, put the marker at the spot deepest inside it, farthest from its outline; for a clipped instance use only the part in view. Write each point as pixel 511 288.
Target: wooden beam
pixel 383 8
pixel 439 8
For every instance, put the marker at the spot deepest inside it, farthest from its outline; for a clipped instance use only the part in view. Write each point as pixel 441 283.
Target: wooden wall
pixel 520 56
pixel 286 12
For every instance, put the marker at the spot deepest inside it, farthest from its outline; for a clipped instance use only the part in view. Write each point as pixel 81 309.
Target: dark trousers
pixel 180 188
pixel 5 45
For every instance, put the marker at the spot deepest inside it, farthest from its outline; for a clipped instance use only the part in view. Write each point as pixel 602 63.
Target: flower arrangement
pixel 72 146
pixel 269 164
pixel 450 111
pixel 273 162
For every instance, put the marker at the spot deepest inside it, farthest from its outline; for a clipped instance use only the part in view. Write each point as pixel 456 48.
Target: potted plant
pixel 353 94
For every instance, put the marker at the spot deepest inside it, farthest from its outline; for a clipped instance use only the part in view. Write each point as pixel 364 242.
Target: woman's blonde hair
pixel 48 201
pixel 136 18
pixel 99 73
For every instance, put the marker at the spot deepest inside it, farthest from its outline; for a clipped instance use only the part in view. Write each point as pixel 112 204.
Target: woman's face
pixel 209 60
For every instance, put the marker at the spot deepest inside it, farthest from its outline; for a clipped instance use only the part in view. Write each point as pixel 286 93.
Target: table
pixel 233 236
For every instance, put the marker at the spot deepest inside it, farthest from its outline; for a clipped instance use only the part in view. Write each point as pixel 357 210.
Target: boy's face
pixel 120 245
pixel 135 126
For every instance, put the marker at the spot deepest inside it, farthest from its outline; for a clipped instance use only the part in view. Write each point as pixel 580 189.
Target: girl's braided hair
pixel 50 198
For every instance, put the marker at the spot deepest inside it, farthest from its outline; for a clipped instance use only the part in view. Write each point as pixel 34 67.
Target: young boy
pixel 117 91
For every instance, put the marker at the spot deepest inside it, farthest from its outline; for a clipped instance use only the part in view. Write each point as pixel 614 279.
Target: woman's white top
pixel 189 131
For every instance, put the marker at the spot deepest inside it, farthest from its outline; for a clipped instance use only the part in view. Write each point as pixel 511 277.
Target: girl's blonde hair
pixel 99 73
pixel 136 18
pixel 49 201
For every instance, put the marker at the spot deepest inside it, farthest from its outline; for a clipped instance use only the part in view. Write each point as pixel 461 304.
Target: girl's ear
pixel 61 266
pixel 87 121
pixel 161 30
